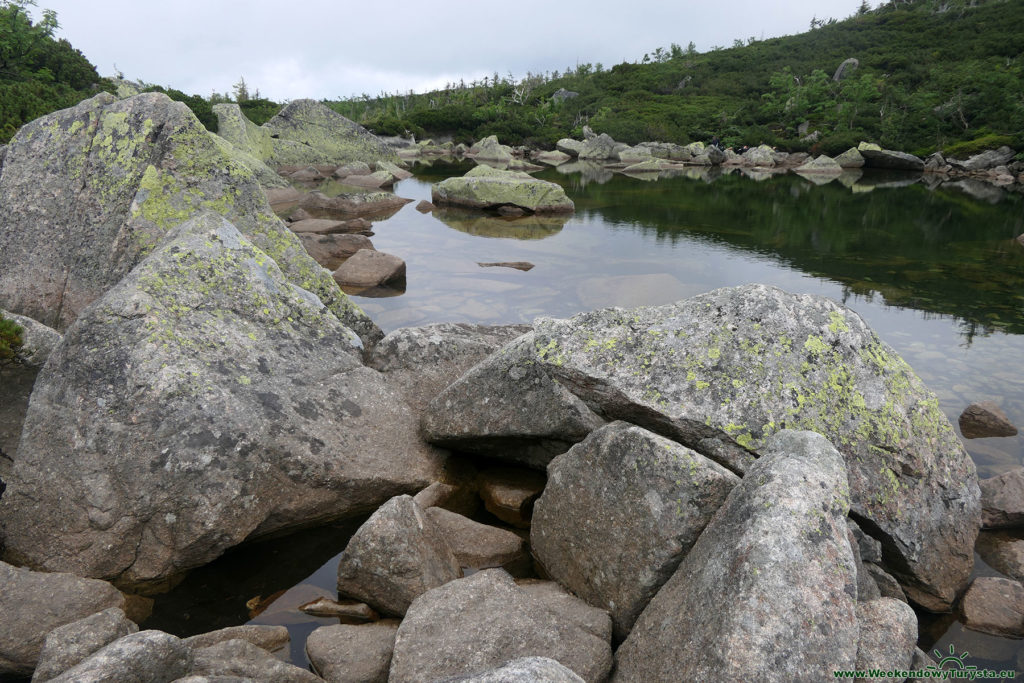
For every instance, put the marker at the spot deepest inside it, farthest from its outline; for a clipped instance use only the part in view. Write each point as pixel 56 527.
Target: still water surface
pixel 935 272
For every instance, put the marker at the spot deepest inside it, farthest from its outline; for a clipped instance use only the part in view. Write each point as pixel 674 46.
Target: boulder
pixel 1002 500
pixel 395 556
pixel 37 340
pixel 476 545
pixel 889 159
pixel 588 133
pixel 601 148
pixel 308 132
pixel 91 190
pixel 484 187
pixel 151 656
pixel 394 171
pixel 667 150
pixel 822 164
pixel 509 493
pixel 888 635
pixel 569 146
pixel 266 176
pixel 524 670
pixel 723 371
pixel 348 205
pixel 243 134
pixel 369 268
pixel 651 165
pixel 619 513
pixel 263 636
pixel 422 361
pixel 233 404
pixel 330 251
pixel 989 159
pixel 561 95
pixel 768 592
pixel 851 158
pixel 35 603
pixel 634 155
pixel 553 158
pixel 346 653
pixel 489 149
pixel 353 168
pixel 372 181
pixel 994 605
pixel 68 645
pixel 423 206
pixel 762 155
pixel 985 419
pixel 245 660
pixel 486 620
pixel 508 407
pixel 1003 552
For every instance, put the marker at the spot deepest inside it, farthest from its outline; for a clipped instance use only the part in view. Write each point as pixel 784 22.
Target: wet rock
pixel 887 158
pixel 768 592
pixel 395 556
pixel 1003 552
pixel 424 206
pixel 372 181
pixel 233 405
pixel 888 635
pixel 569 146
pixel 369 268
pixel 525 670
pixel 1002 500
pixel 353 654
pixel 265 637
pixel 379 204
pixel 38 340
pixel 35 603
pixel 994 605
pixel 330 251
pixel 508 407
pixel 477 545
pixel 720 373
pixel 509 493
pixel 601 148
pixel 423 361
pixel 151 656
pixel 241 658
pixel 985 419
pixel 486 620
pixel 619 513
pixel 349 611
pixel 91 190
pixel 484 187
pixel 308 132
pixel 68 645
pixel 518 265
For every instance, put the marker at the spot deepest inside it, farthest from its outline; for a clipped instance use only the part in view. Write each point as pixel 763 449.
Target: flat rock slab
pixel 330 251
pixel 35 603
pixel 985 419
pixel 518 265
pixel 486 620
pixel 395 556
pixel 379 204
pixel 476 545
pixel 369 268
pixel 68 645
pixel 326 226
pixel 1002 500
pixel 994 605
pixel 509 493
pixel 265 637
pixel 619 513
pixel 353 654
pixel 768 592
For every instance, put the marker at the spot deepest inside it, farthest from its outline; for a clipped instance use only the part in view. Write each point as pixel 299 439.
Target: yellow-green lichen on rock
pixel 484 187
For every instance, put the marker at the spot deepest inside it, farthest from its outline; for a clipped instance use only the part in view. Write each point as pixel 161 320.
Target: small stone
pixel 995 606
pixel 518 265
pixel 509 493
pixel 985 419
pixel 425 207
pixel 352 611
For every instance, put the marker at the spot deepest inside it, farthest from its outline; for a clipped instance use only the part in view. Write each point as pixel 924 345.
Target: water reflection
pixel 532 227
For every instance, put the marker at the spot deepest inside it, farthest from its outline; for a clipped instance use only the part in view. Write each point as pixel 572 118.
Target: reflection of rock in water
pixel 879 179
pixel 646 176
pixel 532 227
pixel 590 172
pixel 757 174
pixel 396 288
pixel 978 189
pixel 819 177
pixel 850 176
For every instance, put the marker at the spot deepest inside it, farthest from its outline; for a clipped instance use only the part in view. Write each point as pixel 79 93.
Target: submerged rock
pixel 233 404
pixel 484 187
pixel 768 592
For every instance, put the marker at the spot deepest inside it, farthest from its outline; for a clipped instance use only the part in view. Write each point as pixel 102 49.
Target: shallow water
pixel 934 271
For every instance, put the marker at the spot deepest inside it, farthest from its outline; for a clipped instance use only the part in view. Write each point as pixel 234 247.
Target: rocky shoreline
pixel 747 484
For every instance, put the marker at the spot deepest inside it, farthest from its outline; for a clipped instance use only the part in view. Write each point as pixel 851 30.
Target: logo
pixel 951 661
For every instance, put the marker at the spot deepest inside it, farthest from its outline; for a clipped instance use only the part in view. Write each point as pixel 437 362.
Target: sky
pixel 333 49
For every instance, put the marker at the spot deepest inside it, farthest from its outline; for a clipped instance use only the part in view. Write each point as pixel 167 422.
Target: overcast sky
pixel 338 48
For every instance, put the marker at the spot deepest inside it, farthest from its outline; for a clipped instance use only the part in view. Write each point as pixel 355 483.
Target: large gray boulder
pixel 484 187
pixel 987 159
pixel 485 620
pixel 307 132
pixel 619 513
pixel 601 148
pixel 769 590
pixel 489 149
pixel 722 372
pixel 569 146
pixel 68 645
pixel 151 656
pixel 887 158
pixel 396 555
pixel 243 134
pixel 230 404
pixel 89 191
pixel 888 635
pixel 245 660
pixel 349 653
pixel 762 155
pixel 267 177
pixel 35 603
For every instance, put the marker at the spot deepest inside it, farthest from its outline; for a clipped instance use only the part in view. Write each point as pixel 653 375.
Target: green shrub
pixel 11 340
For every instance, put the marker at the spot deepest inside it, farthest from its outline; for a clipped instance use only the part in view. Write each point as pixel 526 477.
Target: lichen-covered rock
pixel 349 653
pixel 308 132
pixel 72 643
pixel 89 191
pixel 1002 500
pixel 634 155
pixel 723 371
pixel 887 158
pixel 486 620
pixel 35 603
pixel 768 592
pixel 762 155
pixel 489 149
pixel 37 340
pixel 395 556
pixel 484 187
pixel 524 670
pixel 243 134
pixel 232 404
pixel 851 158
pixel 152 656
pixel 266 176
pixel 552 158
pixel 619 513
